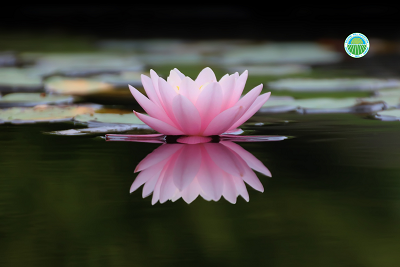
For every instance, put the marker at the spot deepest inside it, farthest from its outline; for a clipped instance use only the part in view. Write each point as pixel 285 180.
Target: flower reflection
pixel 211 170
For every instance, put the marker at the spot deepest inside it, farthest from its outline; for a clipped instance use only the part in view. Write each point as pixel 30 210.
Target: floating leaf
pixel 122 79
pixel 76 86
pixel 9 59
pixel 100 123
pixel 388 115
pixel 302 53
pixel 20 80
pixel 330 105
pixel 395 92
pixel 117 128
pixel 33 99
pixel 83 64
pixel 43 113
pixel 271 70
pixel 109 118
pixel 328 85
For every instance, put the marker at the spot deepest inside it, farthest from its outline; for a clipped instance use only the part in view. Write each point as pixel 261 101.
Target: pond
pixel 333 198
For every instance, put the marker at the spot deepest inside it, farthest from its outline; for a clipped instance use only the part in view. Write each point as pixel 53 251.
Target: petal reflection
pixel 211 170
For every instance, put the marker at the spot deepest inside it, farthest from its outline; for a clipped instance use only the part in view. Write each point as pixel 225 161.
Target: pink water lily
pixel 201 107
pixel 211 170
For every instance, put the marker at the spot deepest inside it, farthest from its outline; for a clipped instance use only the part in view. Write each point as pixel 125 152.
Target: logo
pixel 356 45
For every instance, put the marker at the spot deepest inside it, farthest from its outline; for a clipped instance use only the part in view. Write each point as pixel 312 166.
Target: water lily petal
pixel 229 189
pixel 159 154
pixel 205 76
pixel 167 187
pixel 239 86
pixel 241 188
pixel 186 115
pixel 228 87
pixel 251 179
pixel 247 100
pixel 223 121
pixel 258 103
pixel 189 89
pixel 181 75
pixel 147 174
pixel 159 126
pixel 150 91
pixel 167 96
pixel 191 192
pixel 209 103
pixel 187 166
pixel 223 77
pixel 209 178
pixel 152 109
pixel 226 159
pixel 249 158
pixel 154 79
pixel 174 80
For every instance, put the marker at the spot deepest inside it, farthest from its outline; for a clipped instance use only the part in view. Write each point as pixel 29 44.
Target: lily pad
pixel 122 79
pixel 171 58
pixel 43 113
pixel 116 128
pixel 270 53
pixel 330 105
pixel 100 123
pixel 329 85
pixel 20 80
pixel 271 70
pixel 395 92
pixel 83 64
pixel 9 59
pixel 33 99
pixel 388 115
pixel 108 118
pixel 76 86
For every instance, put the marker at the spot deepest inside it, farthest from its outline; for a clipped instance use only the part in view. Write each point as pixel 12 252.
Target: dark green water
pixel 333 200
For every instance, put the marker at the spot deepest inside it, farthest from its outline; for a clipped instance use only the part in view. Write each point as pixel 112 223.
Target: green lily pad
pixel 388 115
pixel 109 118
pixel 329 85
pixel 122 79
pixel 43 113
pixel 395 92
pixel 76 86
pixel 330 105
pixel 33 99
pixel 83 64
pixel 171 58
pixel 117 128
pixel 271 70
pixel 20 80
pixel 271 53
pixel 100 123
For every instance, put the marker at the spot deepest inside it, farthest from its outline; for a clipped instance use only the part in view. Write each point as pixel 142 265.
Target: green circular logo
pixel 356 45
